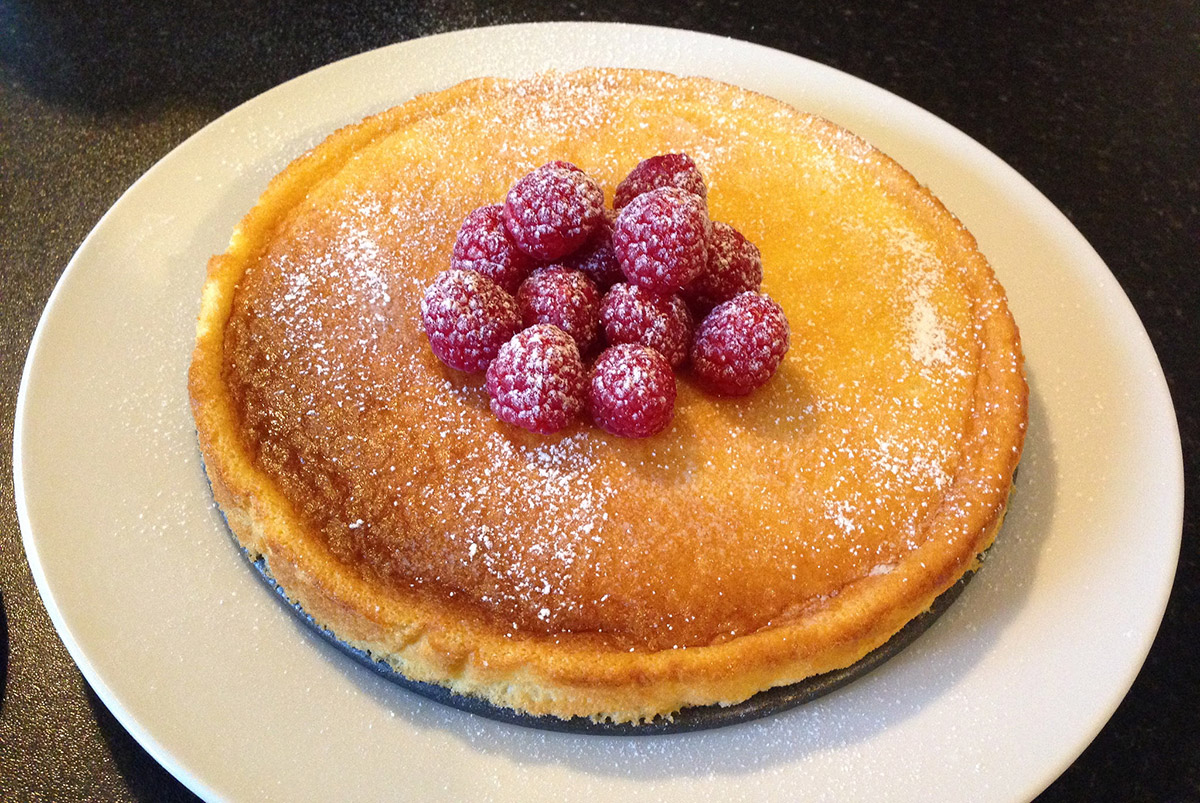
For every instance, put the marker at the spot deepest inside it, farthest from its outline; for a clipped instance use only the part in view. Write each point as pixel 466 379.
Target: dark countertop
pixel 1097 104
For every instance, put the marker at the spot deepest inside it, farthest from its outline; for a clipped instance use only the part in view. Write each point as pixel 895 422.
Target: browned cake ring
pixel 472 643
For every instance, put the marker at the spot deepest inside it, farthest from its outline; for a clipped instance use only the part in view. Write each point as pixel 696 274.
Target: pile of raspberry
pixel 571 307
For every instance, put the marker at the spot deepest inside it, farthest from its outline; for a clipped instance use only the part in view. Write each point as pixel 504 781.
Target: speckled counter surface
pixel 1097 104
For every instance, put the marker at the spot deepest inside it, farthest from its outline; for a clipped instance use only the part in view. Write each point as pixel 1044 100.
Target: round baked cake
pixel 755 542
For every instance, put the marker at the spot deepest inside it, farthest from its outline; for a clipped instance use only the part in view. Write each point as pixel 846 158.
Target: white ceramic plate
pixel 216 678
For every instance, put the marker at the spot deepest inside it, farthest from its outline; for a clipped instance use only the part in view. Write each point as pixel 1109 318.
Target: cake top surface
pixel 744 512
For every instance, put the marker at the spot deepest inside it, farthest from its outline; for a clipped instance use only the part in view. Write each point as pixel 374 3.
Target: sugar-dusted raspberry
pixel 740 344
pixel 483 245
pixel 633 315
pixel 565 165
pixel 661 239
pixel 553 210
pixel 467 318
pixel 734 266
pixel 665 170
pixel 597 258
pixel 632 391
pixel 537 381
pixel 563 297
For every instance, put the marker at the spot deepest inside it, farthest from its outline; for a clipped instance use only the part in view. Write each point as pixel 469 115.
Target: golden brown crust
pixel 453 642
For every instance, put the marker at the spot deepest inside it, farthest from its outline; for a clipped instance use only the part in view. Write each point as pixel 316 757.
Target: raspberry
pixel 740 344
pixel 633 315
pixel 467 317
pixel 632 391
pixel 734 266
pixel 563 297
pixel 537 381
pixel 483 246
pixel 553 210
pixel 661 239
pixel 666 170
pixel 565 165
pixel 597 258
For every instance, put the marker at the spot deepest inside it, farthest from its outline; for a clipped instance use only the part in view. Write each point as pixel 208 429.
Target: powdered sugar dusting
pixel 927 334
pixel 533 565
